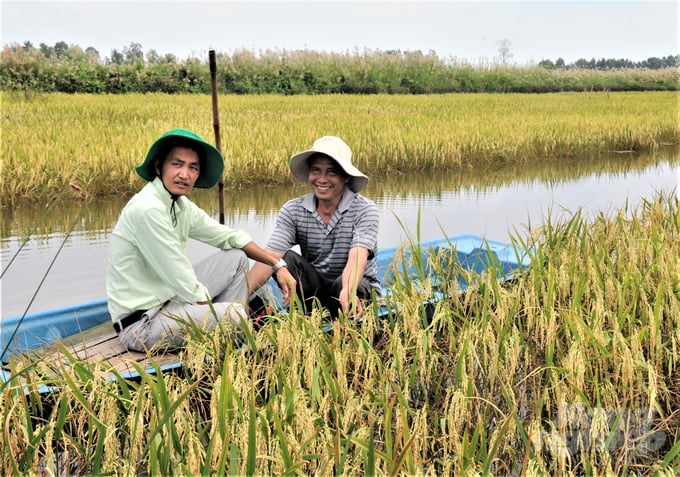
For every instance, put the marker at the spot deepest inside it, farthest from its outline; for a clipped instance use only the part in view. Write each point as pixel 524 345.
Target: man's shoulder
pixel 144 202
pixel 364 198
pixel 295 200
pixel 298 202
pixel 364 201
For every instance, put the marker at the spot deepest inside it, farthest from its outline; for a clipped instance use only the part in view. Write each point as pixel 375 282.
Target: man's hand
pixel 350 307
pixel 351 276
pixel 286 282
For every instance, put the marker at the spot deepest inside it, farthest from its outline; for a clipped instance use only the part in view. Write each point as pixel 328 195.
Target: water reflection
pixel 67 242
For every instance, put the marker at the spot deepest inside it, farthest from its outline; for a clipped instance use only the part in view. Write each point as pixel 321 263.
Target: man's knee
pixel 237 255
pixel 234 258
pixel 292 259
pixel 336 287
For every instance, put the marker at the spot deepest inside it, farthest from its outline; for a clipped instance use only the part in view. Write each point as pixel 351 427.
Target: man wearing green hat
pixel 153 290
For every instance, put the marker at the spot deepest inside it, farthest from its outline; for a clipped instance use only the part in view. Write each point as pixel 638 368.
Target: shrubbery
pixel 25 68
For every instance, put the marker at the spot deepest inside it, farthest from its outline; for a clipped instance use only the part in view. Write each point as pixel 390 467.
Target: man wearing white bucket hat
pixel 153 290
pixel 335 228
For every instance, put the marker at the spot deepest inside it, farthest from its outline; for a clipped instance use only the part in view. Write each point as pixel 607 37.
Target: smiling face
pixel 327 179
pixel 180 170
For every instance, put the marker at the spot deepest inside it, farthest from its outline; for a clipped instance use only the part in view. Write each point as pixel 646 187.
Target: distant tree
pixel 152 57
pixel 60 48
pixel 504 54
pixel 671 61
pixel 585 64
pixel 618 63
pixel 75 54
pixel 47 51
pixel 170 58
pixel 547 64
pixel 134 53
pixel 117 58
pixel 92 53
pixel 559 63
pixel 654 63
pixel 28 46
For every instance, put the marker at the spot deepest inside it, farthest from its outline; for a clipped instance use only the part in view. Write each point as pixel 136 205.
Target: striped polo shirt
pixel 326 246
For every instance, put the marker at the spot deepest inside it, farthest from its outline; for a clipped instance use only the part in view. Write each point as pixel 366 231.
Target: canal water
pixel 54 255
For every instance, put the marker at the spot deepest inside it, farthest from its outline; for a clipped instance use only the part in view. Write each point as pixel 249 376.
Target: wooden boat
pixel 85 330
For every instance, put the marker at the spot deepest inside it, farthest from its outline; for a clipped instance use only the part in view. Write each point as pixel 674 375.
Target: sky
pixel 468 31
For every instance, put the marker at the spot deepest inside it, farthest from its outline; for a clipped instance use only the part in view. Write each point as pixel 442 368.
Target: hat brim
pixel 212 163
pixel 299 167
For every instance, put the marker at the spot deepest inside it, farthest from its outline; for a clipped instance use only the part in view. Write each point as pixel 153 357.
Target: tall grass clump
pixel 570 368
pixel 88 145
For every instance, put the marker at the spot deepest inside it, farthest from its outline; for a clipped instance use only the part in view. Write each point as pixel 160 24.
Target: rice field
pixel 86 146
pixel 570 369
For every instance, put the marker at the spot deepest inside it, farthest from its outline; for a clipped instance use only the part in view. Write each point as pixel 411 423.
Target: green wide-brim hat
pixel 212 162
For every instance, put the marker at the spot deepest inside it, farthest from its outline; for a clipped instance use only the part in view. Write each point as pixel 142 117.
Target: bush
pixel 307 72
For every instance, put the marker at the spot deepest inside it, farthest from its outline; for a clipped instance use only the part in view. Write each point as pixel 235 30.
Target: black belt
pixel 134 317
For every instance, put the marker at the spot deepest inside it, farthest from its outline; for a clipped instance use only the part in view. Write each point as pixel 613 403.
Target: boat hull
pixel 20 334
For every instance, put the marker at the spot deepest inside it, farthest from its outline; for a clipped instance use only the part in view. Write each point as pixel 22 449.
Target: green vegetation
pixel 71 70
pixel 91 143
pixel 571 369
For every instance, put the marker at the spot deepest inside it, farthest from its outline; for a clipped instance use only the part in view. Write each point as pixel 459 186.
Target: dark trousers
pixel 312 287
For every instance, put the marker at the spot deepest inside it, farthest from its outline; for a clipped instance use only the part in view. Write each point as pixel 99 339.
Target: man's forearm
pixel 354 270
pixel 259 254
pixel 258 275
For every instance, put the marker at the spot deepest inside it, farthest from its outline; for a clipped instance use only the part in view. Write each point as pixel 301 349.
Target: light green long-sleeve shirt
pixel 147 263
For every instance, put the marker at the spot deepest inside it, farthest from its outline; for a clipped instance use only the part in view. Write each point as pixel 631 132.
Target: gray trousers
pixel 225 275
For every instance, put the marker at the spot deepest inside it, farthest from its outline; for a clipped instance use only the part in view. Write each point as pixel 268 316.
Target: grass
pixel 571 369
pixel 88 145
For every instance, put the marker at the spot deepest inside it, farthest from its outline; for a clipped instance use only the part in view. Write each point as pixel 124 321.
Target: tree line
pixel 70 69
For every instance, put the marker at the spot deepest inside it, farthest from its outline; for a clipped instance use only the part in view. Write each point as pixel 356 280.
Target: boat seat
pixel 98 344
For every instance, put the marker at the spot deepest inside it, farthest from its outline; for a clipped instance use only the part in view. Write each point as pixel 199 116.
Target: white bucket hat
pixel 336 149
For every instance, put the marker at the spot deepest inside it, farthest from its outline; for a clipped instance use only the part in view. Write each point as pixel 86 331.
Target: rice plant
pixel 570 368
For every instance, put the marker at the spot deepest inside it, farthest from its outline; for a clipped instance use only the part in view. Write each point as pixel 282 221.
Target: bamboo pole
pixel 216 128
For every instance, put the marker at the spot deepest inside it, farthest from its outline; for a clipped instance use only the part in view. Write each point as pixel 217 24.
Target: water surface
pixel 63 246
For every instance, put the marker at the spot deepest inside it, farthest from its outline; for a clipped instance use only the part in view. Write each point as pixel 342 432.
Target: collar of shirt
pixel 162 193
pixel 309 203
